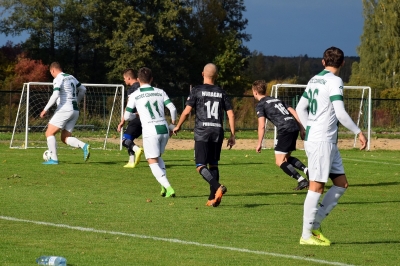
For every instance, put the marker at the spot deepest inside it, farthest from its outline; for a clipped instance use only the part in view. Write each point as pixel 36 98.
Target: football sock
pixel 161 163
pixel 135 147
pixel 52 146
pixel 127 143
pixel 215 173
pixel 159 175
pixel 74 142
pixel 329 202
pixel 297 163
pixel 131 158
pixel 310 210
pixel 289 170
pixel 206 174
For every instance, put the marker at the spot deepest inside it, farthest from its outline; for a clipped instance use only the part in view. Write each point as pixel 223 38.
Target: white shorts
pixel 154 146
pixel 65 120
pixel 323 159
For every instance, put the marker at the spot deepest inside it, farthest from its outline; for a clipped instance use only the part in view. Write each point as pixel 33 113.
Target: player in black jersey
pixel 134 128
pixel 209 102
pixel 288 127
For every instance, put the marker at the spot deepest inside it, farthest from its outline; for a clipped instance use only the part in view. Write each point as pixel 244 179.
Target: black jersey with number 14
pixel 277 112
pixel 210 103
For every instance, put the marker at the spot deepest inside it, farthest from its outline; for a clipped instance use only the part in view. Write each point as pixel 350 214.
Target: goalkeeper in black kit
pixel 288 127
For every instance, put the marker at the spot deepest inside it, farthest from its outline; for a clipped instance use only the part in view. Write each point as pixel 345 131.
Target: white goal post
pixel 100 113
pixel 357 101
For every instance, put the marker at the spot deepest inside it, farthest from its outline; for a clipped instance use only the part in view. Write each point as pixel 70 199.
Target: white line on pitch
pixel 172 240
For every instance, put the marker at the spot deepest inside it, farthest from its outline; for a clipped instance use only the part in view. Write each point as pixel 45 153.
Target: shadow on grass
pixel 376 184
pixel 90 162
pixel 256 205
pixel 256 194
pixel 368 242
pixel 369 202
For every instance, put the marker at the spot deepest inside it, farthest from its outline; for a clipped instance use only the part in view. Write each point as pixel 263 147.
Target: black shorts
pixel 207 152
pixel 134 128
pixel 286 142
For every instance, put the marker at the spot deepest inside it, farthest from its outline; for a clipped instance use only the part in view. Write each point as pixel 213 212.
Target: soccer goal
pixel 357 101
pixel 100 113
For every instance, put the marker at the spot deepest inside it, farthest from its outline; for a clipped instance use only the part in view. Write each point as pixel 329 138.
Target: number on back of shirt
pixel 312 101
pixel 281 108
pixel 212 110
pixel 149 107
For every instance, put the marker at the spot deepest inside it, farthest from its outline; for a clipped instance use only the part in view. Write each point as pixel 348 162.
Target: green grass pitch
pixel 99 213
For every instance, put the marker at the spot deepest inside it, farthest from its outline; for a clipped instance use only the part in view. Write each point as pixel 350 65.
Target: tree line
pixel 95 40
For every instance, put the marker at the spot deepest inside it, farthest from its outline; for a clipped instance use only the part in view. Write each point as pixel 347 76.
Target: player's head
pixel 55 69
pixel 145 76
pixel 210 71
pixel 259 88
pixel 129 76
pixel 333 57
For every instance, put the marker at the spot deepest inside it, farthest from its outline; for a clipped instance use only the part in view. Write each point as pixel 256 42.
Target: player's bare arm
pixel 301 127
pixel 363 140
pixel 121 124
pixel 231 118
pixel 43 113
pixel 182 119
pixel 260 131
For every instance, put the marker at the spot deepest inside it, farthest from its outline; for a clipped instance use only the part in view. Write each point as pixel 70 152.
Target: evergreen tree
pixel 379 52
pixel 95 40
pixel 218 36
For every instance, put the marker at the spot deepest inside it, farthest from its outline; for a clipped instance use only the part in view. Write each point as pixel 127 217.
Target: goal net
pixel 357 101
pixel 100 113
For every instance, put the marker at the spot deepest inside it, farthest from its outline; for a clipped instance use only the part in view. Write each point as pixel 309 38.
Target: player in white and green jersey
pixel 320 109
pixel 67 92
pixel 149 103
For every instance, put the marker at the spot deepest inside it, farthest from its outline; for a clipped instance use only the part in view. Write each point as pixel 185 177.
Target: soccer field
pixel 99 213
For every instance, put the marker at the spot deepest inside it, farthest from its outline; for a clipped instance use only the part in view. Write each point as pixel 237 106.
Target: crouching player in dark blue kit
pixel 288 127
pixel 210 102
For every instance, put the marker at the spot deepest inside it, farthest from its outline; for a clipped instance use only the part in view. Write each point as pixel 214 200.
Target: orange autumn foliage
pixel 28 70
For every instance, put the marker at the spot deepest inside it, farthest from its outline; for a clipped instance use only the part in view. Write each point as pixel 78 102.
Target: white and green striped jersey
pixel 321 91
pixel 65 92
pixel 149 103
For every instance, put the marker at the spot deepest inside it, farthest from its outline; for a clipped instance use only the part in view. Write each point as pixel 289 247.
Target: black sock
pixel 206 174
pixel 215 172
pixel 127 143
pixel 289 170
pixel 296 163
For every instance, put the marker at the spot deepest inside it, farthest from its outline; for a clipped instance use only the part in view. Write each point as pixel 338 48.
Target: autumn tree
pixel 379 51
pixel 8 59
pixel 95 40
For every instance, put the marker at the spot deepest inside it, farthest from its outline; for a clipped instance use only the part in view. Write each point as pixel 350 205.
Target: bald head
pixel 210 71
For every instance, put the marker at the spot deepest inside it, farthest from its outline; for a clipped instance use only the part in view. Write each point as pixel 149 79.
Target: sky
pixel 304 27
pixel 292 28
